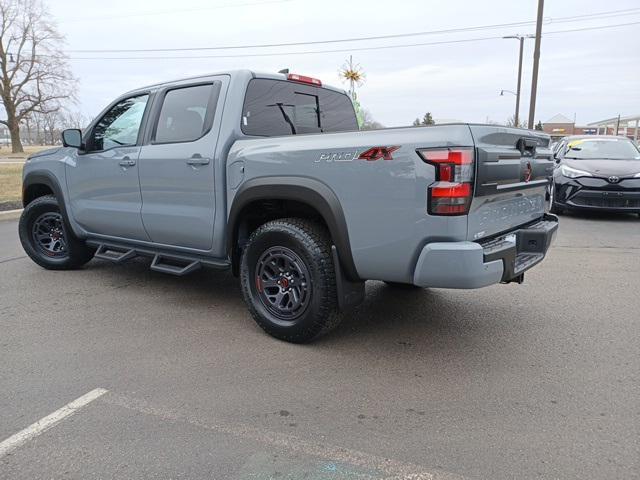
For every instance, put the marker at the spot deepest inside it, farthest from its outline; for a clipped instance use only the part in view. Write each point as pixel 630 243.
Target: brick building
pixel 560 126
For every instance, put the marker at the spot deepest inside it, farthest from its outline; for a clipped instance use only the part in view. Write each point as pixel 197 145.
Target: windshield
pixel 602 148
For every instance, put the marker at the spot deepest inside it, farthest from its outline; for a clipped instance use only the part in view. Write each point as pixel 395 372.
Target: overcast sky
pixel 593 74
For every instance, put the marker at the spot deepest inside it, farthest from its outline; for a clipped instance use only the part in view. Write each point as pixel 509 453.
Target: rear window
pixel 278 107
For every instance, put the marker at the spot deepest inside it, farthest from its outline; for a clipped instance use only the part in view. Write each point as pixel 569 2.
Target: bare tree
pixel 34 73
pixel 511 122
pixel 51 122
pixel 368 122
pixel 74 119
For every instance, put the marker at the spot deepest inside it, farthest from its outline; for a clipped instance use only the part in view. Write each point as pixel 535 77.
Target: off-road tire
pixel 76 253
pixel 309 243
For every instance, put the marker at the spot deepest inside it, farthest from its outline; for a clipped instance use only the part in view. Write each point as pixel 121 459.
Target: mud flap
pixel 350 294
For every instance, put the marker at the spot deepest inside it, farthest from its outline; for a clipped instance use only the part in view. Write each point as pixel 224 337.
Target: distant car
pixel 596 173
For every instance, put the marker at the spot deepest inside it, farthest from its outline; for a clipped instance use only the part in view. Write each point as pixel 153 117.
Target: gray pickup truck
pixel 268 175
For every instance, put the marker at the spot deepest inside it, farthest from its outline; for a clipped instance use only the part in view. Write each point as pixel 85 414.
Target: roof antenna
pixel 284 71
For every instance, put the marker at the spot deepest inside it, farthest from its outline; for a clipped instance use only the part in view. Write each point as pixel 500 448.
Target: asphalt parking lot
pixel 540 380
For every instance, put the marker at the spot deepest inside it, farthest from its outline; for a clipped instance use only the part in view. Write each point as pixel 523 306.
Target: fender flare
pixel 311 192
pixel 44 177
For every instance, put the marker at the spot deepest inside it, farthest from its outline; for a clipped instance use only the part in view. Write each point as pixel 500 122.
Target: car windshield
pixel 602 148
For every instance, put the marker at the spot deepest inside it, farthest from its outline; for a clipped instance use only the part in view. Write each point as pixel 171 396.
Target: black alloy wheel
pixel 48 235
pixel 47 239
pixel 283 283
pixel 288 279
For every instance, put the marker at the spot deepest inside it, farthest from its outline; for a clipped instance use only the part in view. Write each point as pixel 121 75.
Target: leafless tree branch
pixel 34 73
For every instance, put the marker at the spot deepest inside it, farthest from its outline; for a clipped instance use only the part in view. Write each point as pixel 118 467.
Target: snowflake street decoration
pixel 353 74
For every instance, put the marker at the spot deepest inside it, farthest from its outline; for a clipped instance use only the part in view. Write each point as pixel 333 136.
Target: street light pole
pixel 520 39
pixel 536 61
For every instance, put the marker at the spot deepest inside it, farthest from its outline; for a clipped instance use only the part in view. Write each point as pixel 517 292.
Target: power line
pixel 173 11
pixel 342 50
pixel 585 17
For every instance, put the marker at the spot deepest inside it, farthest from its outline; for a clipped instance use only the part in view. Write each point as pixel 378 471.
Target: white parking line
pixel 392 469
pixel 49 421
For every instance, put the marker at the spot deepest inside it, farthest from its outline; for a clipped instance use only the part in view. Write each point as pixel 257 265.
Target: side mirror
pixel 72 137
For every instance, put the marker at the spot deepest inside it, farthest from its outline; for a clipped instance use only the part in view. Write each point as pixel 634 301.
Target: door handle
pixel 197 159
pixel 126 162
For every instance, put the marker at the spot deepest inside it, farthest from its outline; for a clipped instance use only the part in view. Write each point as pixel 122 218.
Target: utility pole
pixel 536 61
pixel 520 38
pixel 618 125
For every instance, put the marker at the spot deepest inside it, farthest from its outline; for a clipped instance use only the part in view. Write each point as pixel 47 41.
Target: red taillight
pixel 294 77
pixel 452 192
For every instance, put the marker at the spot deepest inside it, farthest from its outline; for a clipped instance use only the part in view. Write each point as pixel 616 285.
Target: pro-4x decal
pixel 376 153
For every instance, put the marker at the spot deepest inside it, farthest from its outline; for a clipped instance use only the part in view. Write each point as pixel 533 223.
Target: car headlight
pixel 573 172
pixel 637 175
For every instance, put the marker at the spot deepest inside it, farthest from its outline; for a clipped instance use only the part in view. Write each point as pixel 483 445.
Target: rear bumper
pixel 479 264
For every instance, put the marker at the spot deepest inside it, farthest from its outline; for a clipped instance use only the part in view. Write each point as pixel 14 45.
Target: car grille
pixel 605 202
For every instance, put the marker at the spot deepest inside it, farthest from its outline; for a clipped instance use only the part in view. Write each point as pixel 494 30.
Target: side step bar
pixel 173 263
pixel 114 254
pixel 174 266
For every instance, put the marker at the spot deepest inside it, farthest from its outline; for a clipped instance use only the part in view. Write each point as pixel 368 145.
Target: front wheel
pixel 47 240
pixel 288 279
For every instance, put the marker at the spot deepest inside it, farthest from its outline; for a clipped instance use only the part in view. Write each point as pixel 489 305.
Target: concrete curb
pixel 10 214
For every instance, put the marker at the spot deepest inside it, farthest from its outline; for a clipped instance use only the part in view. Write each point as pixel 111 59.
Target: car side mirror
pixel 72 137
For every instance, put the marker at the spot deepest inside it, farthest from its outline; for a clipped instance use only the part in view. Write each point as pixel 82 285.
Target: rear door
pixel 512 171
pixel 177 165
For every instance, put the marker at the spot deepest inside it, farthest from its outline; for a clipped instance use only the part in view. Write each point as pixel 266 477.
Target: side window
pixel 186 114
pixel 120 125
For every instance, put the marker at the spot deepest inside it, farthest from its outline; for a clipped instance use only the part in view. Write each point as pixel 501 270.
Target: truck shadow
pixel 389 319
pixel 438 318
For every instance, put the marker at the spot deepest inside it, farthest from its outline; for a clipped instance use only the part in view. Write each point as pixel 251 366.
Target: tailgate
pixel 513 167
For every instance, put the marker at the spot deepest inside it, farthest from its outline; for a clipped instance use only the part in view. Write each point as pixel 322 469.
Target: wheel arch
pixel 40 183
pixel 315 195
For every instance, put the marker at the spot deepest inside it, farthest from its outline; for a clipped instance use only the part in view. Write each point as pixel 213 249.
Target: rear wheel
pixel 47 240
pixel 288 279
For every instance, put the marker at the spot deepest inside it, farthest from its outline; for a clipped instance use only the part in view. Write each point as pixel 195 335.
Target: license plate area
pixel 521 249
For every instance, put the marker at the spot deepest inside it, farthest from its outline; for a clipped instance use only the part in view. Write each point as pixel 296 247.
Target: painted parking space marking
pixel 45 423
pixel 380 467
pixel 11 259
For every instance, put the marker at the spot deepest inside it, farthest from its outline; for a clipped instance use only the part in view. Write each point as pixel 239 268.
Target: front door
pixel 177 167
pixel 104 189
